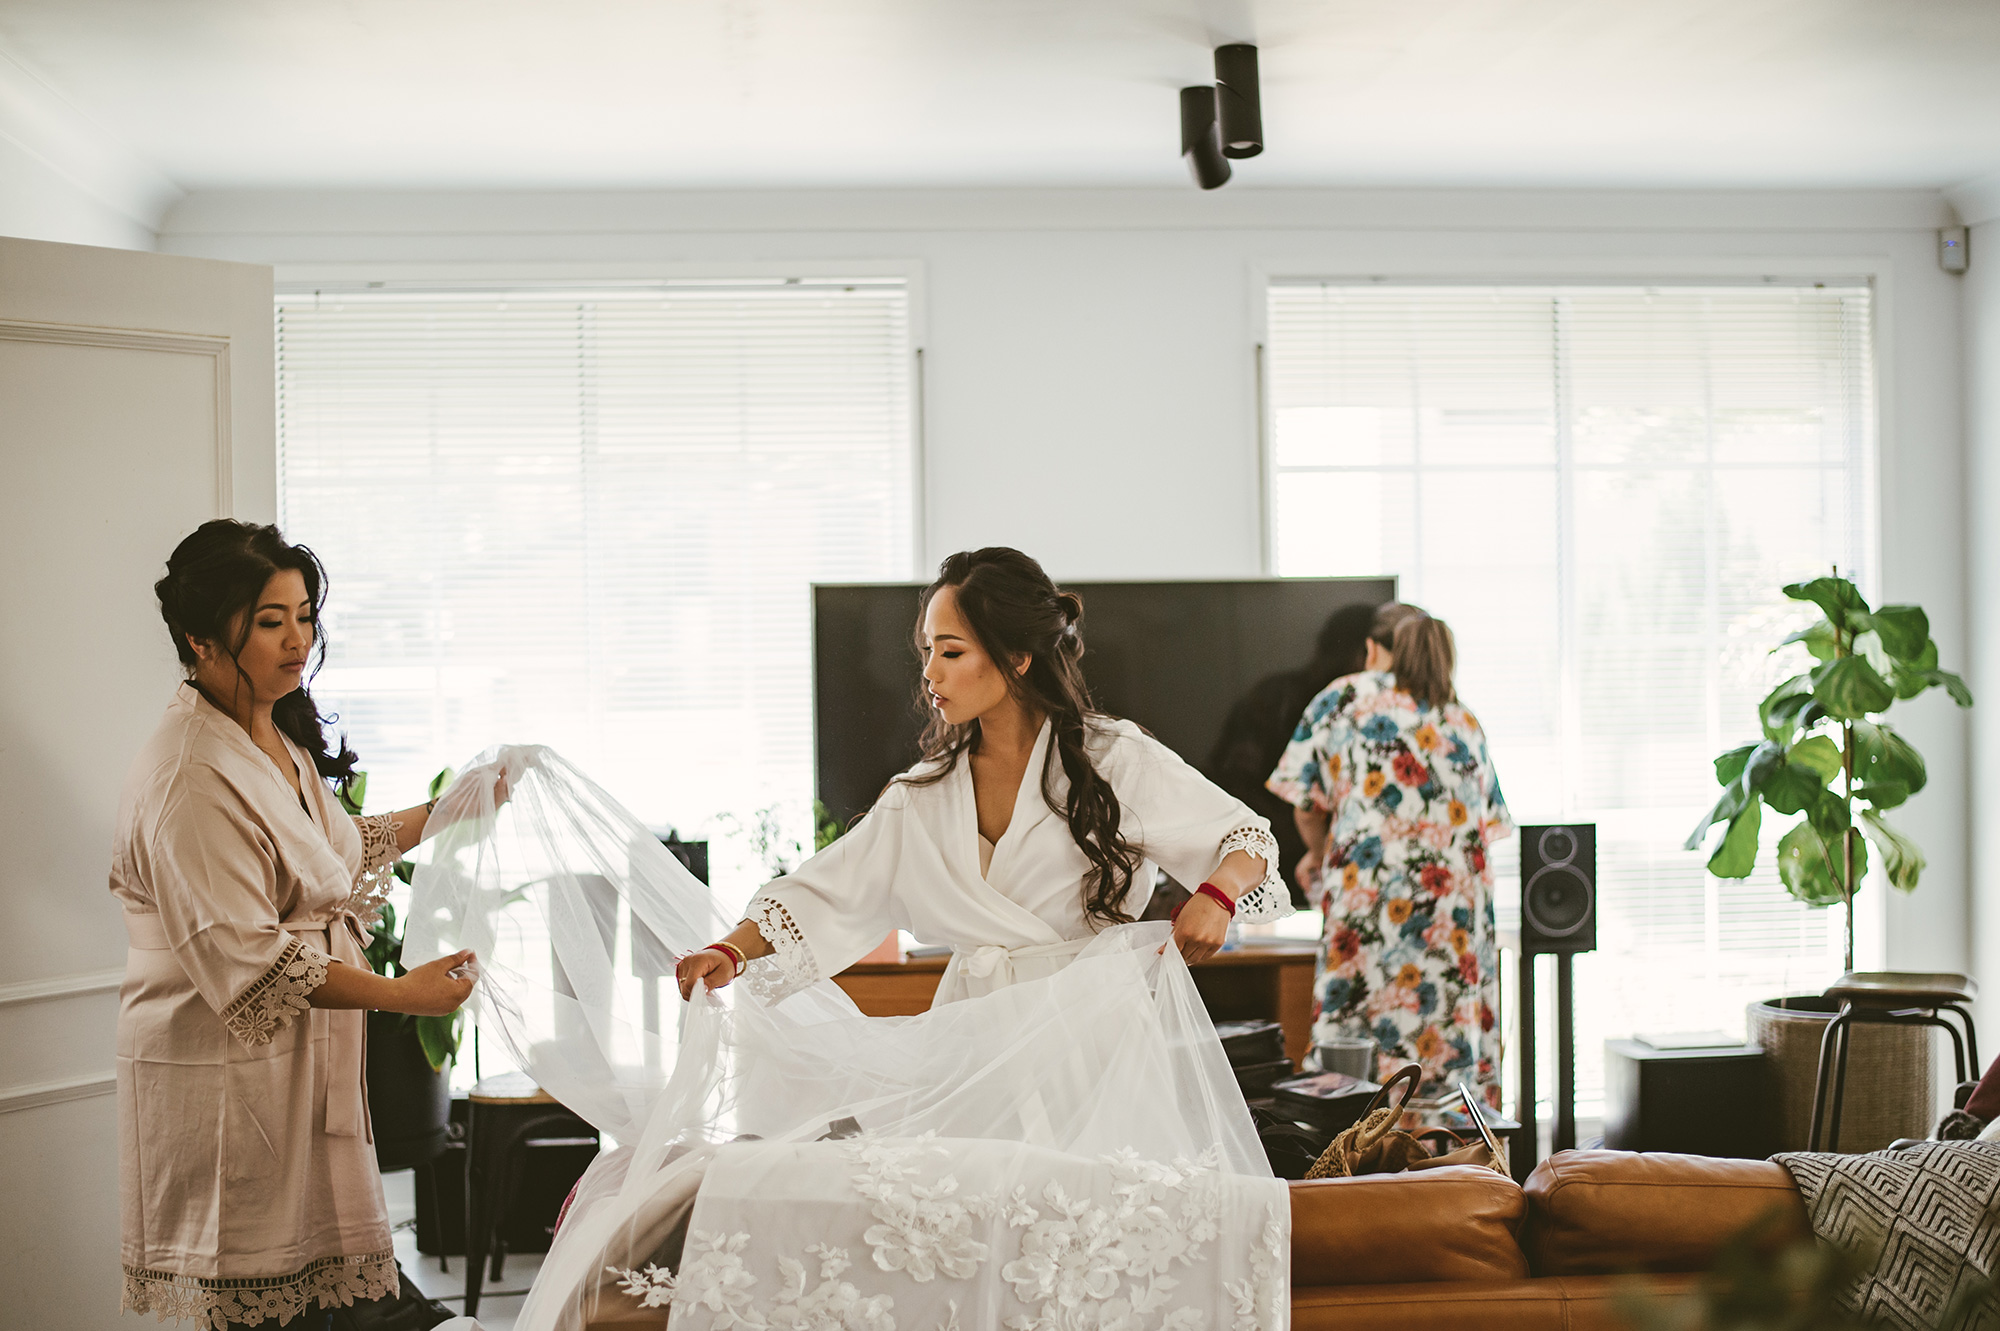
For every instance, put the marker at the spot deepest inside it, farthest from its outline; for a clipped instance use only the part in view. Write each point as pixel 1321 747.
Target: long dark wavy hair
pixel 214 578
pixel 1014 610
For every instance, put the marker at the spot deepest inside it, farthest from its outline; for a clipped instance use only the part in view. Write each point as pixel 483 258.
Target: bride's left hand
pixel 1201 929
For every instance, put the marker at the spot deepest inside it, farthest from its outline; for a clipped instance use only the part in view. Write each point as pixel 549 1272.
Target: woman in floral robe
pixel 1398 804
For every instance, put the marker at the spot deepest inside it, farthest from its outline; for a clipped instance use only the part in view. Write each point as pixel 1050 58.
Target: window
pixel 589 519
pixel 1581 481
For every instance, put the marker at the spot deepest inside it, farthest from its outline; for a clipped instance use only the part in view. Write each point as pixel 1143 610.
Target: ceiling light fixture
pixel 1224 120
pixel 1201 141
pixel 1239 108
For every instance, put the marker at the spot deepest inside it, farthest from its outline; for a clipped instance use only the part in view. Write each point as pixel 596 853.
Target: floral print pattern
pixel 1408 954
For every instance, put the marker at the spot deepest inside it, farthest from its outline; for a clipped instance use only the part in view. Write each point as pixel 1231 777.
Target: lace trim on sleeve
pixel 791 965
pixel 278 995
pixel 379 847
pixel 379 853
pixel 1268 900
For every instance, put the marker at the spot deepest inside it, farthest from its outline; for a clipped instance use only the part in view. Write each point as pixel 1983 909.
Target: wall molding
pixel 36 1095
pixel 139 339
pixel 60 986
pixel 199 221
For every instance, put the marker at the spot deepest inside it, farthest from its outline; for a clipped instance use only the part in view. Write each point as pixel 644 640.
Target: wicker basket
pixel 1892 1081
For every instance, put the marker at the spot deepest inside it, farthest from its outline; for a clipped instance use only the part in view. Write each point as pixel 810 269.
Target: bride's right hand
pixel 710 965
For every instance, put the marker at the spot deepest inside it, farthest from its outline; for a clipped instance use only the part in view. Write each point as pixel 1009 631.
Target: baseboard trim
pixel 38 1094
pixel 60 986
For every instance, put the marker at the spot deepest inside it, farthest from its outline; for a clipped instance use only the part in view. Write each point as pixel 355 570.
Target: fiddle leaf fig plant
pixel 1826 753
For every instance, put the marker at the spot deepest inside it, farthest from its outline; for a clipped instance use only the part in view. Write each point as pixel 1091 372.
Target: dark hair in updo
pixel 1014 610
pixel 214 578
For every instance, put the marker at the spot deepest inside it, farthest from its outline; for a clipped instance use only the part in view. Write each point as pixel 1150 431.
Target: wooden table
pixel 1256 981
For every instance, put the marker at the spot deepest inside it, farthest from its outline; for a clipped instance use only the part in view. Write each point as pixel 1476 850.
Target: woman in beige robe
pixel 248 1172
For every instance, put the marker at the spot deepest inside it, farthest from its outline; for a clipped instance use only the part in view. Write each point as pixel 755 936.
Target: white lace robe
pixel 914 863
pixel 247 1166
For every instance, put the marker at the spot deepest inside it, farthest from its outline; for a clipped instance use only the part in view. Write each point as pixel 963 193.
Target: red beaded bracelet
pixel 1214 893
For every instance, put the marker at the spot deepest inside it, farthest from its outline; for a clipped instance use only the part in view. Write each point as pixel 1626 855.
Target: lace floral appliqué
pixel 791 965
pixel 379 853
pixel 278 995
pixel 1268 900
pixel 331 1282
pixel 1078 1261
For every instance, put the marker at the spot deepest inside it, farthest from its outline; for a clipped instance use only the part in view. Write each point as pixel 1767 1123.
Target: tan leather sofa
pixel 1467 1249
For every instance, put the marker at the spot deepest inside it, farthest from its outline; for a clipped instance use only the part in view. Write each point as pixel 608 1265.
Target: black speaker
pixel 1559 888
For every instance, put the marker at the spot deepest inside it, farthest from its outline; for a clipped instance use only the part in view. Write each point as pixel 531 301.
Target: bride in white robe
pixel 972 849
pixel 1059 1143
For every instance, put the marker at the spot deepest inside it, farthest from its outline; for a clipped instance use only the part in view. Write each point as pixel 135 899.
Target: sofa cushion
pixel 1454 1223
pixel 1583 1303
pixel 1596 1212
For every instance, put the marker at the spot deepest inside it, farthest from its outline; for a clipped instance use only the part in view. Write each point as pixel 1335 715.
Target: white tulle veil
pixel 578 913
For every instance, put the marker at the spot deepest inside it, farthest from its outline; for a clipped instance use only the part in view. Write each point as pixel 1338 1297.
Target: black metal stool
pixel 1888 998
pixel 505 1116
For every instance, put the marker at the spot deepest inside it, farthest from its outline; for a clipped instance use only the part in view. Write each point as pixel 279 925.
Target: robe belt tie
pixel 346 1084
pixel 996 963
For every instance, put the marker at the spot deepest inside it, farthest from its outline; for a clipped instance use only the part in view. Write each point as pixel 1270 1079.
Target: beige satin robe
pixel 247 1165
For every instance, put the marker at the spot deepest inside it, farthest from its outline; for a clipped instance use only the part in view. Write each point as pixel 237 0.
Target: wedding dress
pixel 1066 1153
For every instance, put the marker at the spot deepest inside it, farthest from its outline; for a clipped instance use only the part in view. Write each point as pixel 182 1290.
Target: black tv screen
pixel 1219 671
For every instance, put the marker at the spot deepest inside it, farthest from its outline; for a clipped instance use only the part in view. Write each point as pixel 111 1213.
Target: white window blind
pixel 589 518
pixel 1602 490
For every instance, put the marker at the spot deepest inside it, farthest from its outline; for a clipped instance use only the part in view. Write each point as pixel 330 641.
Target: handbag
pixel 1375 1145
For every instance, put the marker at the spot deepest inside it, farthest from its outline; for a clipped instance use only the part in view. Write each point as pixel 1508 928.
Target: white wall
pixel 1090 386
pixel 1982 379
pixel 63 178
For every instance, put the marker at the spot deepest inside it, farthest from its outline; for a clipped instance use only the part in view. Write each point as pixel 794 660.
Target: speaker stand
pixel 1564 1138
pixel 1527 1145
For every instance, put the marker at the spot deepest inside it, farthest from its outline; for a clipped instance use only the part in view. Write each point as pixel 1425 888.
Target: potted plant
pixel 409 1058
pixel 1828 758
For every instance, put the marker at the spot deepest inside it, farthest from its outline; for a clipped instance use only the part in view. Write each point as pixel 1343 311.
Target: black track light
pixel 1239 108
pixel 1201 143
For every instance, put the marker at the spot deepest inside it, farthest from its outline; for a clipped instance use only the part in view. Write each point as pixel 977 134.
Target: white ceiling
pixel 721 93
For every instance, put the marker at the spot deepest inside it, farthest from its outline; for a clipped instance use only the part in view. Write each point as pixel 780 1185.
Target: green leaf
pixel 1883 757
pixel 1836 596
pixel 1903 630
pixel 1819 753
pixel 1883 794
pixel 1913 677
pixel 1850 688
pixel 1730 765
pixel 1953 685
pixel 352 792
pixel 1727 806
pixel 1793 788
pixel 1809 872
pixel 1779 713
pixel 440 783
pixel 439 1038
pixel 1736 856
pixel 1901 860
pixel 1828 813
pixel 1818 640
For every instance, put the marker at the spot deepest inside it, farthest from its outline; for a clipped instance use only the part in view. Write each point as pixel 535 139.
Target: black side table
pixel 1714 1101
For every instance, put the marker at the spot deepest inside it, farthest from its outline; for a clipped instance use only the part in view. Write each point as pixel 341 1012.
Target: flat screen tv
pixel 1220 672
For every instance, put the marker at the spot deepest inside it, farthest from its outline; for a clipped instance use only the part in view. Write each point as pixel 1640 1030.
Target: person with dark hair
pixel 1397 801
pixel 1260 725
pixel 247 1163
pixel 1032 821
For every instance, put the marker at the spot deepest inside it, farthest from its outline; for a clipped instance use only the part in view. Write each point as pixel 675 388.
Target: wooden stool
pixel 505 1116
pixel 1890 998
